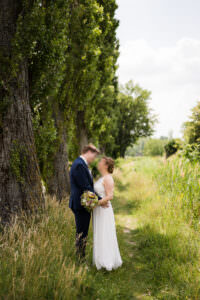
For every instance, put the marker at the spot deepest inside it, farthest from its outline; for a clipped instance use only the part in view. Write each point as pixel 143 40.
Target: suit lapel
pixel 86 166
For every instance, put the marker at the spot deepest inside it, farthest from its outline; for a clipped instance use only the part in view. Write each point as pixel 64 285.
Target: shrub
pixel 191 152
pixel 154 147
pixel 171 147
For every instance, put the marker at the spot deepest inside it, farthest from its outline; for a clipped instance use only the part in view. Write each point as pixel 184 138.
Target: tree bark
pixel 20 181
pixel 82 135
pixel 103 149
pixel 58 184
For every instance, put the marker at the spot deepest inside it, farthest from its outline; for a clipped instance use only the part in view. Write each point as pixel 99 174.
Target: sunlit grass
pixel 156 212
pixel 37 258
pixel 166 245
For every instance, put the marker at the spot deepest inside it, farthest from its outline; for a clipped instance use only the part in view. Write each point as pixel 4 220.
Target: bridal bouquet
pixel 89 200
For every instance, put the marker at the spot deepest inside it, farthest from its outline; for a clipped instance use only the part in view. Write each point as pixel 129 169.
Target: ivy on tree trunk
pixel 20 181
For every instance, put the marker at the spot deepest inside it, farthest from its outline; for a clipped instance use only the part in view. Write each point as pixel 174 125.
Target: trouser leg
pixel 82 219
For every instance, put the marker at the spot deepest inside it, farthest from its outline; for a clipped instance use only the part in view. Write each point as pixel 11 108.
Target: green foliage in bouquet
pixel 89 200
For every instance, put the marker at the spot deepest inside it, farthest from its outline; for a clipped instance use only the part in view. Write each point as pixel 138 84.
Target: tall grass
pixel 38 261
pixel 37 258
pixel 156 211
pixel 165 225
pixel 179 180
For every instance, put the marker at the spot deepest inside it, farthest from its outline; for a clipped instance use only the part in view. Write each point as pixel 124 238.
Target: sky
pixel 160 50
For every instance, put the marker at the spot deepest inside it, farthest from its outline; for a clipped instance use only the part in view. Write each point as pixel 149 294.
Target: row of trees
pixel 59 90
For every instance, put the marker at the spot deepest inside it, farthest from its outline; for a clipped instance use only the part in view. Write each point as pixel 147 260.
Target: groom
pixel 81 180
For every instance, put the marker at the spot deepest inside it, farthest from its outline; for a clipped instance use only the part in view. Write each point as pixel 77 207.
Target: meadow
pixel 156 208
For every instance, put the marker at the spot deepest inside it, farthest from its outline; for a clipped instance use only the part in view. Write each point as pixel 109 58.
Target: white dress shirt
pixel 84 159
pixel 86 164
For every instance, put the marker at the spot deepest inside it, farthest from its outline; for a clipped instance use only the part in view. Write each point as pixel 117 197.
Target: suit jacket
pixel 81 181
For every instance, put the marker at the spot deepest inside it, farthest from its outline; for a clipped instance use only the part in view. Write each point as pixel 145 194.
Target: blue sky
pixel 160 50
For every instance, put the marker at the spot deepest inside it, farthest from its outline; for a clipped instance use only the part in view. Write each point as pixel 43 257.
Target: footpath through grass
pixel 158 243
pixel 162 242
pixel 157 228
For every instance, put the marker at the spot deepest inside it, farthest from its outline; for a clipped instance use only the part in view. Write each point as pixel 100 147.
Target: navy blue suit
pixel 81 181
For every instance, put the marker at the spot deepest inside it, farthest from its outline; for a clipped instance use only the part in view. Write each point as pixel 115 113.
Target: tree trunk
pixel 81 130
pixel 58 184
pixel 20 181
pixel 103 149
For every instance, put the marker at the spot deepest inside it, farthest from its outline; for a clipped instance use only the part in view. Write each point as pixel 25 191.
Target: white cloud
pixel 171 73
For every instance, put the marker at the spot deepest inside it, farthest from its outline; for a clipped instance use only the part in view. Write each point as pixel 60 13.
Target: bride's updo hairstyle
pixel 110 163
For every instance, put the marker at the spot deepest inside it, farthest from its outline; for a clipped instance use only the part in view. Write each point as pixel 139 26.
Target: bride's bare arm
pixel 109 189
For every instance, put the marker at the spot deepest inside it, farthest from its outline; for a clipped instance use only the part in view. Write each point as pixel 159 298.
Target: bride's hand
pixel 104 205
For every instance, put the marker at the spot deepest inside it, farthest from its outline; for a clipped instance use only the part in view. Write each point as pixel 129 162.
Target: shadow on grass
pixel 120 186
pixel 121 204
pixel 160 265
pixel 155 266
pixel 125 207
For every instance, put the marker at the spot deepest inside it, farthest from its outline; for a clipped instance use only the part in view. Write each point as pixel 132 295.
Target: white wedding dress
pixel 105 246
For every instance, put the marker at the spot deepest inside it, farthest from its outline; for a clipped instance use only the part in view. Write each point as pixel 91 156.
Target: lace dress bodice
pixel 99 187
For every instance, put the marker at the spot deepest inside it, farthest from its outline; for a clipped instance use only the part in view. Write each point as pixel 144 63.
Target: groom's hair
pixel 90 147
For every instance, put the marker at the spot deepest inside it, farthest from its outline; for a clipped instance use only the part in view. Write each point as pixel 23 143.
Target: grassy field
pixel 156 207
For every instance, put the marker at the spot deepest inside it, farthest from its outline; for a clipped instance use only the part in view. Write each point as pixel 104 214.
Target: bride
pixel 105 246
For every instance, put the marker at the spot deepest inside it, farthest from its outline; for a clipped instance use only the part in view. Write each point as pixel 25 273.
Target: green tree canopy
pixel 192 127
pixel 131 118
pixel 154 147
